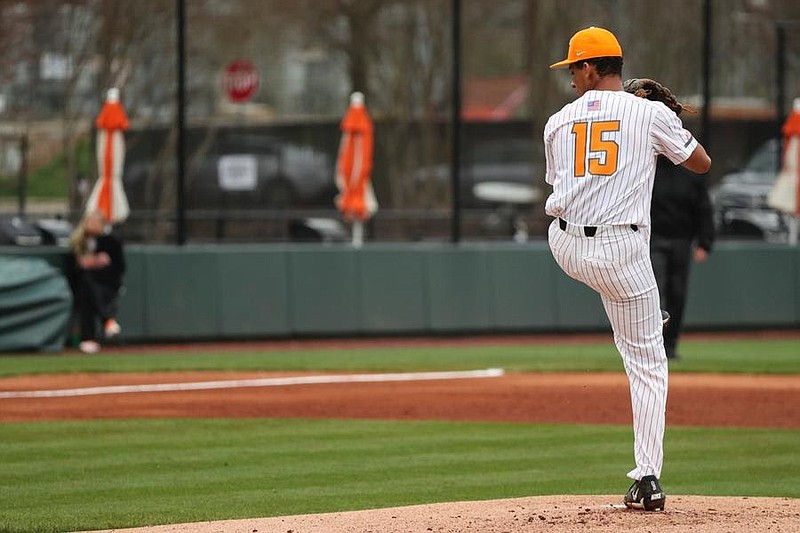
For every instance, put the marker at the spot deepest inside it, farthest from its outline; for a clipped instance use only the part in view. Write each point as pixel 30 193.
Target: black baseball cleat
pixel 664 318
pixel 645 494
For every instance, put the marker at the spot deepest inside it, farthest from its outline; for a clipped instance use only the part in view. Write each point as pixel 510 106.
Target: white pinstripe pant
pixel 616 264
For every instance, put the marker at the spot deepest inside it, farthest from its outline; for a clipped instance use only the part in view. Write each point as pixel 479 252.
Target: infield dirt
pixel 587 398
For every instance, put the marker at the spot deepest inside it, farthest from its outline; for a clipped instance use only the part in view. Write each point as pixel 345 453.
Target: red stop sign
pixel 240 80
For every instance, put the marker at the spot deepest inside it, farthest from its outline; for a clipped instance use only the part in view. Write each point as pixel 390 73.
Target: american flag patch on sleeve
pixel 593 105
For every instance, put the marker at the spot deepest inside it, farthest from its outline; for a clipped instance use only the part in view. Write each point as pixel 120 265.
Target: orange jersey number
pixel 601 155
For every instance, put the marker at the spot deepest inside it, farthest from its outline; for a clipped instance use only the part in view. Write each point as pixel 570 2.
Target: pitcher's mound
pixel 558 514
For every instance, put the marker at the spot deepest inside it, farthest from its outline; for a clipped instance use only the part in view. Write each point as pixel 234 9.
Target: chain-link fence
pixel 267 82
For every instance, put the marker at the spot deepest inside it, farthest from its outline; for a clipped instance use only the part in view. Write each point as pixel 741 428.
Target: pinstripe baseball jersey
pixel 601 152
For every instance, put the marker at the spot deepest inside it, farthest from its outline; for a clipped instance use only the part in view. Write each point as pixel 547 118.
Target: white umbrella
pixel 108 194
pixel 785 192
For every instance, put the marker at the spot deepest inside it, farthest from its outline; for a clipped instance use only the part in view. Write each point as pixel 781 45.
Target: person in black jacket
pixel 99 265
pixel 682 231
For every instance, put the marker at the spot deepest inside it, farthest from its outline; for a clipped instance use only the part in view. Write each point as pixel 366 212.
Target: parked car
pixel 501 161
pixel 240 171
pixel 54 231
pixel 740 198
pixel 17 231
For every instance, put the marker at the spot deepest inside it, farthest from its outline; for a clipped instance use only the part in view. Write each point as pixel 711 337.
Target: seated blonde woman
pixel 99 265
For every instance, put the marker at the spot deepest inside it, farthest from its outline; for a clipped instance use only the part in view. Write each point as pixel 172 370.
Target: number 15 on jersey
pixel 593 150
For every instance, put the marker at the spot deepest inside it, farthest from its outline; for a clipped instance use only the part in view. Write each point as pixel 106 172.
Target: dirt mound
pixel 555 514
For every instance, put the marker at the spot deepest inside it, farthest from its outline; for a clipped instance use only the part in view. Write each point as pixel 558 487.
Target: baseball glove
pixel 652 90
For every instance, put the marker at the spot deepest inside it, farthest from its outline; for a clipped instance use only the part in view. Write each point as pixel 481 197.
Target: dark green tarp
pixel 35 305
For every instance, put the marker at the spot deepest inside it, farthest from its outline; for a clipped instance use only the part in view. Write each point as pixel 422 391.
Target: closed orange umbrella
pixel 356 199
pixel 108 194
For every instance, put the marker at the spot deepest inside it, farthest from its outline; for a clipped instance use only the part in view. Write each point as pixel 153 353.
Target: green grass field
pixel 724 356
pixel 69 476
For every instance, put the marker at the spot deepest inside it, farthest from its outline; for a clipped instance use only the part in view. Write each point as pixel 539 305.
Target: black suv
pixel 241 171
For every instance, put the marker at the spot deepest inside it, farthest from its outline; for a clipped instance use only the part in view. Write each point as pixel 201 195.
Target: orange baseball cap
pixel 589 44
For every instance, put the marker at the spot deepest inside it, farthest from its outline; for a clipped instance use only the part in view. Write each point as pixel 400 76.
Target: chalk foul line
pixel 258 382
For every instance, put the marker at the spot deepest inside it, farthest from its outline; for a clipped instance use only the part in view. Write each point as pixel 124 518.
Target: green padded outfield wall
pixel 253 293
pixel 746 286
pixel 324 288
pixel 392 291
pixel 201 292
pixel 523 288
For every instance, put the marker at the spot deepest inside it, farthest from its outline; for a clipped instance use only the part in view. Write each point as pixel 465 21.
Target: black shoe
pixel 664 318
pixel 645 494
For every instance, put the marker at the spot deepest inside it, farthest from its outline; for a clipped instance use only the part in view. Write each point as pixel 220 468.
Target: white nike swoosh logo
pixel 579 53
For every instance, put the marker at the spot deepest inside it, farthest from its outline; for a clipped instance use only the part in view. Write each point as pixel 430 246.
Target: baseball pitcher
pixel 601 152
